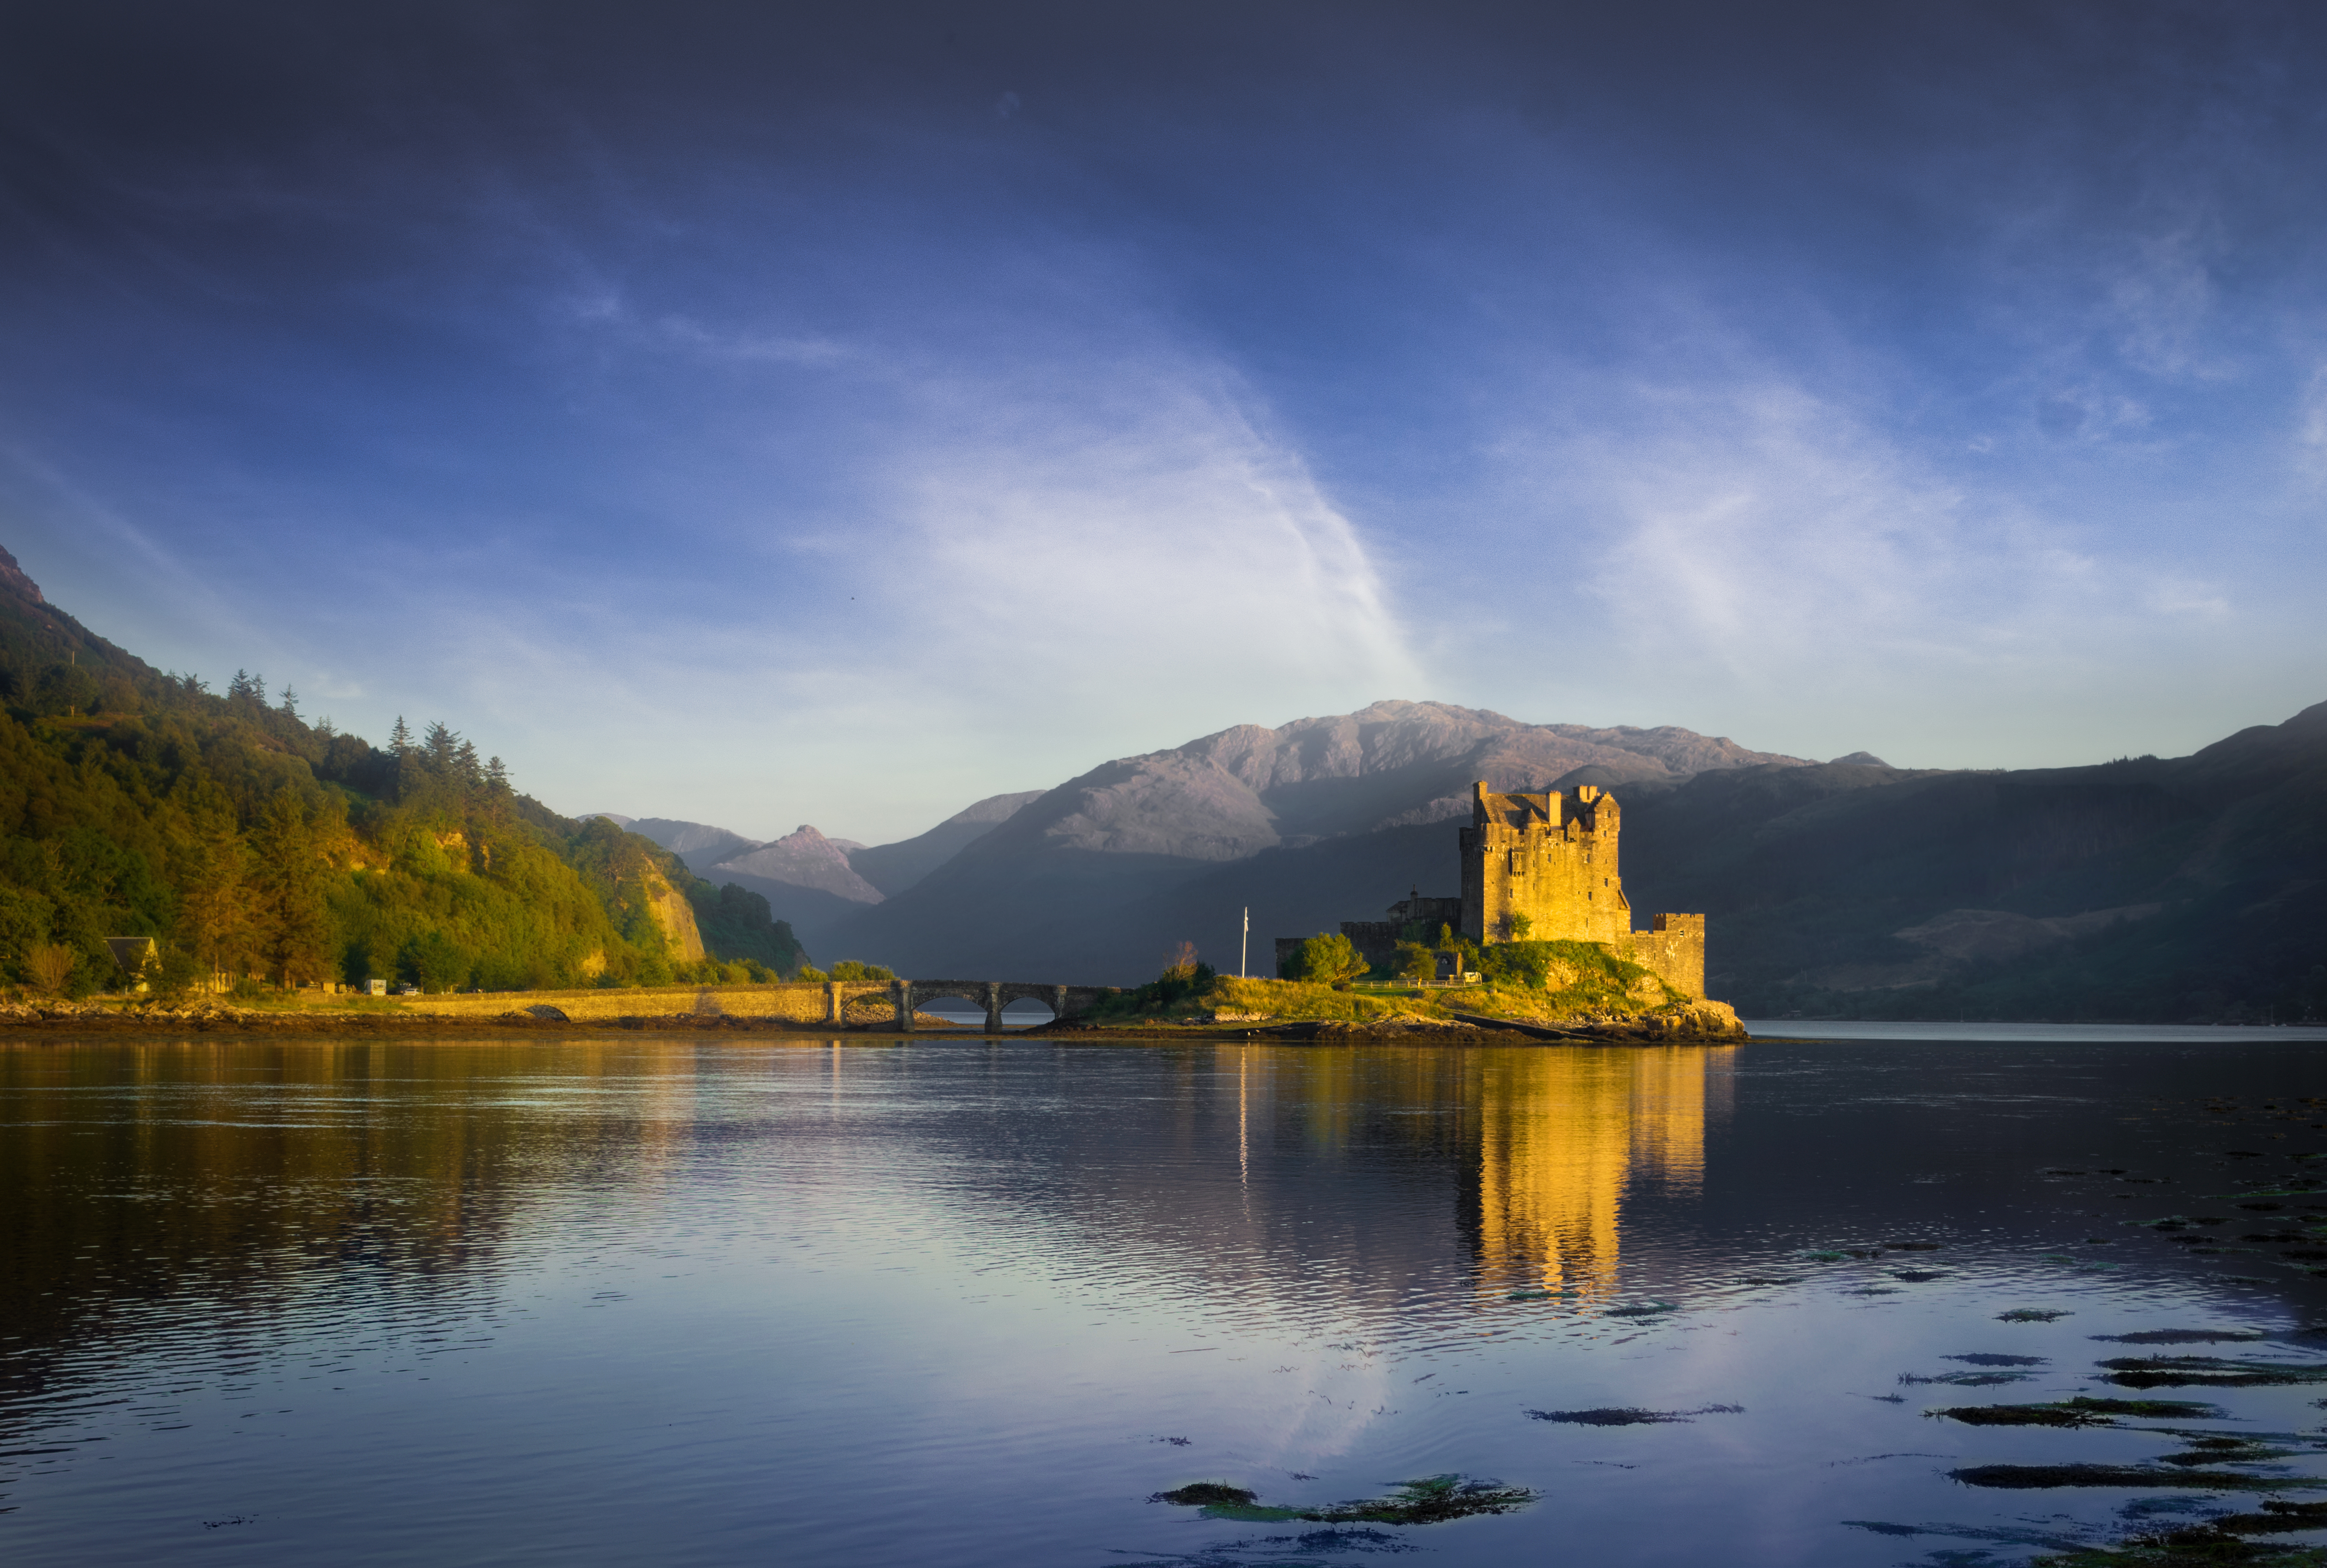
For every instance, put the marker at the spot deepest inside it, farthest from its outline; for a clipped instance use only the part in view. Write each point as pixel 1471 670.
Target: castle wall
pixel 1552 858
pixel 1673 947
pixel 1555 859
pixel 1377 940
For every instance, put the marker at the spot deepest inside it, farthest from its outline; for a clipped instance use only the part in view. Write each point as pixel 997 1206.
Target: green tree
pixel 25 917
pixel 1527 964
pixel 435 962
pixel 287 885
pixel 851 970
pixel 214 898
pixel 176 973
pixel 1184 980
pixel 68 688
pixel 1327 958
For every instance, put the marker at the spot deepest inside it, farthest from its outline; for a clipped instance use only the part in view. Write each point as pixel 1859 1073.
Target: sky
pixel 769 414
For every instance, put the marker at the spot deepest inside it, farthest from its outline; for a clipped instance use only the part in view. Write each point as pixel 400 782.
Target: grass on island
pixel 1541 983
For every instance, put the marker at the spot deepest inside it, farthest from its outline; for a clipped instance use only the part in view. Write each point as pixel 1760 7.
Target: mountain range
pixel 135 803
pixel 2177 888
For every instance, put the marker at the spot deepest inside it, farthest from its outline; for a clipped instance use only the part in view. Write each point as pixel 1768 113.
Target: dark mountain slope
pixel 2163 889
pixel 2220 860
pixel 1053 888
pixel 894 867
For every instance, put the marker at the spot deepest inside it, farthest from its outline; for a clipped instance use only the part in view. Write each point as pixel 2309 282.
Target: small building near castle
pixel 1541 868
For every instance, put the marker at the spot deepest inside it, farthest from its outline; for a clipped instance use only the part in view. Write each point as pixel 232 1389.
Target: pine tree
pixel 214 899
pixel 400 740
pixel 497 776
pixel 439 744
pixel 290 703
pixel 289 885
pixel 464 764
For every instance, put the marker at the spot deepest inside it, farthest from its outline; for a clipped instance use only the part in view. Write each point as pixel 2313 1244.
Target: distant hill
pixel 894 867
pixel 819 882
pixel 805 858
pixel 1101 877
pixel 2187 888
pixel 699 844
pixel 248 843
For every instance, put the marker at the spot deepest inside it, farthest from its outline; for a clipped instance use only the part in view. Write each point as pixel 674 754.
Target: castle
pixel 1542 868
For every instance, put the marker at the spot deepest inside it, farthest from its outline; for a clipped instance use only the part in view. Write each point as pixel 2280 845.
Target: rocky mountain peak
pixel 14 580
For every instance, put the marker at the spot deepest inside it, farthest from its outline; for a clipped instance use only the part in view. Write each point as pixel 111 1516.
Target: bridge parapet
pixel 993 995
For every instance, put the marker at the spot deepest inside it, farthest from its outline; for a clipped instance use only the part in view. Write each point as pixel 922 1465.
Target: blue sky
pixel 762 415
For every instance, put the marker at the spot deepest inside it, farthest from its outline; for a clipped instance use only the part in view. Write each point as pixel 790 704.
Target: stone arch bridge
pixel 993 995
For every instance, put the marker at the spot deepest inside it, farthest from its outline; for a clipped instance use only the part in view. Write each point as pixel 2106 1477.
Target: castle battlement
pixel 1549 864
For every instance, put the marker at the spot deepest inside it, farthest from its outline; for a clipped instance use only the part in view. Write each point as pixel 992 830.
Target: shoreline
pixel 33 1023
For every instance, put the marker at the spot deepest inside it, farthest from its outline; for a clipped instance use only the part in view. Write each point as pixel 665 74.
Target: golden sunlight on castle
pixel 1547 866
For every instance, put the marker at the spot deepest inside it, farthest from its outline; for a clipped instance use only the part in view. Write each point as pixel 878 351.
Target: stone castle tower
pixel 1553 858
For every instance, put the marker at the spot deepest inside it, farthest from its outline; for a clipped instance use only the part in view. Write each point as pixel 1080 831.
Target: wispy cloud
pixel 1151 537
pixel 1746 553
pixel 1046 566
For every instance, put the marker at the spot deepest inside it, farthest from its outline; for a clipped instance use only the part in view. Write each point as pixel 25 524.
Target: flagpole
pixel 1244 943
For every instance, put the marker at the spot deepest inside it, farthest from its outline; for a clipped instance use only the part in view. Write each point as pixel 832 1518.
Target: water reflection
pixel 1561 1137
pixel 661 1300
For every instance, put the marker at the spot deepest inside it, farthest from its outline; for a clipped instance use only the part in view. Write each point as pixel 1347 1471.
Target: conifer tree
pixel 400 739
pixel 289 885
pixel 214 899
pixel 439 744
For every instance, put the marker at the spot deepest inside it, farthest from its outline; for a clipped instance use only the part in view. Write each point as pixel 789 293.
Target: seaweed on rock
pixel 2208 1372
pixel 2077 1412
pixel 1628 1415
pixel 1431 1500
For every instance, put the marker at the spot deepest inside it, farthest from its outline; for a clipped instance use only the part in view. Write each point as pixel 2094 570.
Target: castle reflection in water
pixel 1237 1173
pixel 1532 1153
pixel 1564 1137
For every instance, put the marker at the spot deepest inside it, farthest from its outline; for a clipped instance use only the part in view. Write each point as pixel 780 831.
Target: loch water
pixel 719 1300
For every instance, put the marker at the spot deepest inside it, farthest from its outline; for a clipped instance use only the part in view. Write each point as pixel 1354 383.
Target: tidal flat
pixel 694 1298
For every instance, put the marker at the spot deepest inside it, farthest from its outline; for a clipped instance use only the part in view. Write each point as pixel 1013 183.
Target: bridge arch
pixel 993 995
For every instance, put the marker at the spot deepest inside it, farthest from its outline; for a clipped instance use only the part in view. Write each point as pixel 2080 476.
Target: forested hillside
pixel 258 847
